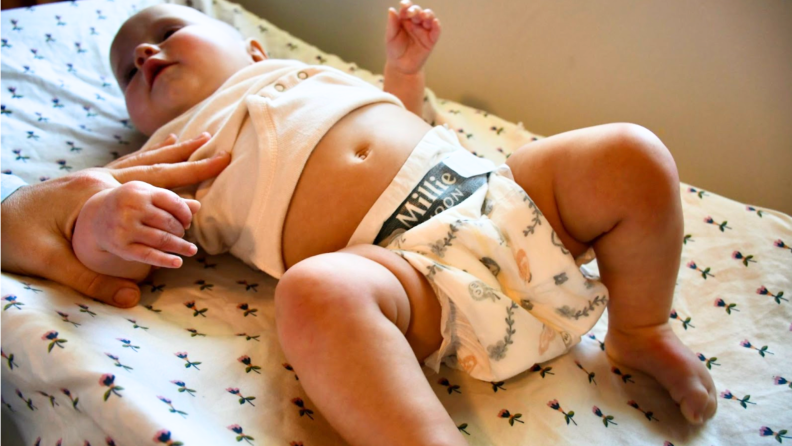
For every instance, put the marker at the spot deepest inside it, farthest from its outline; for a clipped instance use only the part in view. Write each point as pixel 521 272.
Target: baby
pixel 393 245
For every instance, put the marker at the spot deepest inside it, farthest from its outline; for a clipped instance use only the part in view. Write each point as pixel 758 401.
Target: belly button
pixel 363 152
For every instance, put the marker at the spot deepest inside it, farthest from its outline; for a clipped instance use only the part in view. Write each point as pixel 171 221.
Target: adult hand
pixel 38 220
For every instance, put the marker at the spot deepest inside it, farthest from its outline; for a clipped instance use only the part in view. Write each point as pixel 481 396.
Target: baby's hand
pixel 411 34
pixel 134 222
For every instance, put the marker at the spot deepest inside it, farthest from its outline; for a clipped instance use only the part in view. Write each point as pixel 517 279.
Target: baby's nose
pixel 143 52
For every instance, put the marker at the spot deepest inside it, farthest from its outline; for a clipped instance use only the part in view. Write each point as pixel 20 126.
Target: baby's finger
pixel 170 140
pixel 427 17
pixel 194 205
pixel 164 221
pixel 150 256
pixel 168 201
pixel 164 241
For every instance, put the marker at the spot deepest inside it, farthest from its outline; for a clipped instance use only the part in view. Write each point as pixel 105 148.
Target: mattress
pixel 198 361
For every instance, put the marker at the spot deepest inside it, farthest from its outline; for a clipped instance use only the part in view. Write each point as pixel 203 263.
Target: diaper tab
pixel 443 187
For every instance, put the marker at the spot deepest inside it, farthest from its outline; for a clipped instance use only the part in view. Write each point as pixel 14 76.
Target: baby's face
pixel 168 58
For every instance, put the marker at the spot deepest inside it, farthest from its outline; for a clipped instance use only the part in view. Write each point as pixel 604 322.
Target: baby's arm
pixel 126 230
pixel 411 34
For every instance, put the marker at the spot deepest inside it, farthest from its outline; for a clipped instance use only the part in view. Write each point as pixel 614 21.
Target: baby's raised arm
pixel 126 230
pixel 411 34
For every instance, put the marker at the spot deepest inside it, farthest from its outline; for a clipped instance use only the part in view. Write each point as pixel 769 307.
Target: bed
pixel 198 362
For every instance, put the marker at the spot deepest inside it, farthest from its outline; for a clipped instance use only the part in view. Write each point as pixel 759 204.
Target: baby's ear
pixel 256 50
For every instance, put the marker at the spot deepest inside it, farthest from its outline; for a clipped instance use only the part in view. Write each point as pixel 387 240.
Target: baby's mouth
pixel 157 72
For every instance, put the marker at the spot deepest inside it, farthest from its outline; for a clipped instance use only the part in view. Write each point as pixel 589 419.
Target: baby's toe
pixel 698 404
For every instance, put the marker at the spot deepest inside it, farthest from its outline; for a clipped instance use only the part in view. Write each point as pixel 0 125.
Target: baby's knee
pixel 647 164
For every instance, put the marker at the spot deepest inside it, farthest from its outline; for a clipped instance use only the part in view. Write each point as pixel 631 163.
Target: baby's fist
pixel 411 34
pixel 136 222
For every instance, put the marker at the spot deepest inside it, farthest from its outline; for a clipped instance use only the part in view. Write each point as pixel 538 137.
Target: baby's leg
pixel 615 187
pixel 354 325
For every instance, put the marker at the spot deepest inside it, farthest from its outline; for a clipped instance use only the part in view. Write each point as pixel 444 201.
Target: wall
pixel 712 78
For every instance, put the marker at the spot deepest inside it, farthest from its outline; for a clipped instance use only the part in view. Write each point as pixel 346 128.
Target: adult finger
pixel 67 270
pixel 171 153
pixel 170 176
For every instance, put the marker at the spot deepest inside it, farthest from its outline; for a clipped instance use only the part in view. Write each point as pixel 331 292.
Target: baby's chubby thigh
pixel 358 281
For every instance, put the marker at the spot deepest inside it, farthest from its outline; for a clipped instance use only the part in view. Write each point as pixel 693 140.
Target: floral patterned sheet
pixel 198 363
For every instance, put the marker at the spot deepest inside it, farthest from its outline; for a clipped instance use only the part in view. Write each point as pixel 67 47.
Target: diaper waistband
pixel 439 173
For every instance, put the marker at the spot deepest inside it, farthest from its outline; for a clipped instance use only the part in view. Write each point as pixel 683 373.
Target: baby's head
pixel 168 58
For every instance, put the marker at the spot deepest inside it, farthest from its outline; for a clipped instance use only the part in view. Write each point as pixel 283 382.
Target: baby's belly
pixel 346 173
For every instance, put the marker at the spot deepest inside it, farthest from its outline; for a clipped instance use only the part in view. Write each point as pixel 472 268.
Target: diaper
pixel 511 294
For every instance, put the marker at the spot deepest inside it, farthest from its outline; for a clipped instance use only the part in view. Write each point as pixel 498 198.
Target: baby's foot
pixel 658 352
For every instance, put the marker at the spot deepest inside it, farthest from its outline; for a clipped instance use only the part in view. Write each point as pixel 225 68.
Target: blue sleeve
pixel 9 184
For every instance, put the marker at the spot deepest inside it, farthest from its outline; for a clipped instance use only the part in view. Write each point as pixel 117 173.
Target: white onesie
pixel 270 116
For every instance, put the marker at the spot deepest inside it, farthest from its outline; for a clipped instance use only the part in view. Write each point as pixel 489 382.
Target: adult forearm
pixel 409 88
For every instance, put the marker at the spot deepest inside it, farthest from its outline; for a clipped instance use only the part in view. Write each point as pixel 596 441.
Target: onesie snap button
pixel 302 75
pixel 279 87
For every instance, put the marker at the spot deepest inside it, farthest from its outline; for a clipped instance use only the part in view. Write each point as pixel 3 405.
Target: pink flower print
pixel 108 380
pixel 721 226
pixel 28 401
pixel 164 436
pixel 780 381
pixel 10 359
pixel 128 344
pixel 204 285
pixel 726 394
pixel 780 244
pixel 766 431
pixel 542 370
pixel 704 272
pixel 709 362
pixel 753 209
pixel 183 388
pixel 86 309
pixel 303 410
pixel 135 325
pixel 245 359
pixel 288 367
pixel 170 404
pixel 685 323
pixel 248 286
pixel 624 376
pixel 745 259
pixel 512 418
pixel 250 337
pixel 605 418
pixel 117 362
pixel 74 401
pixel 729 307
pixel 648 414
pixel 602 344
pixel 196 312
pixel 244 307
pixel 240 436
pixel 12 302
pixel 567 415
pixel 65 318
pixel 745 343
pixel 242 399
pixel 700 193
pixel 183 355
pixel 194 332
pixel 591 375
pixel 52 335
pixel 777 297
pixel 451 388
pixel 110 441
